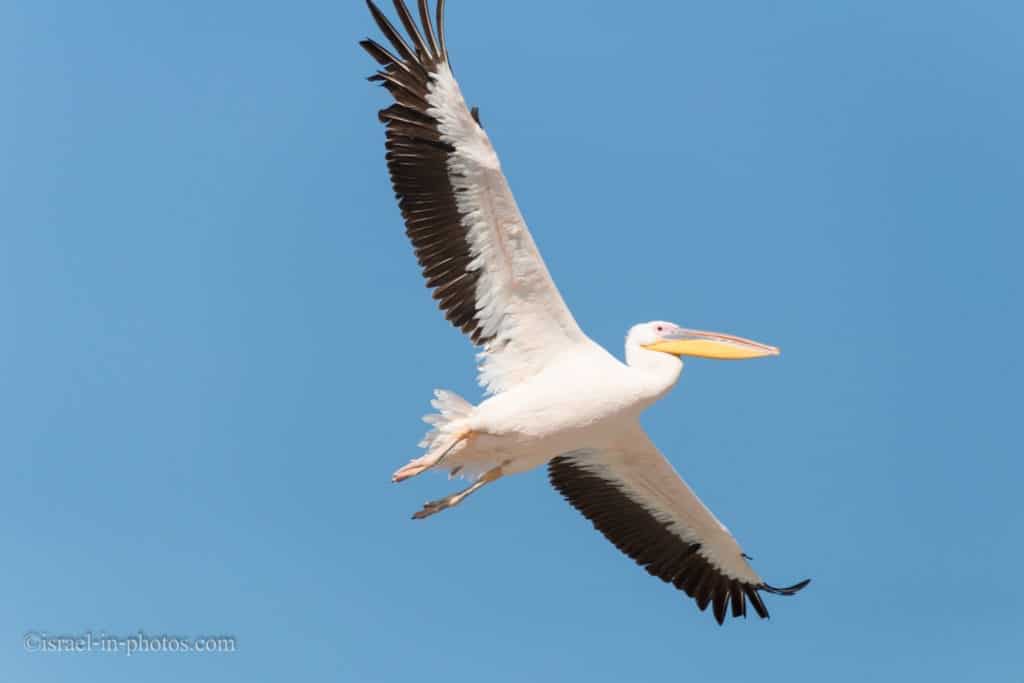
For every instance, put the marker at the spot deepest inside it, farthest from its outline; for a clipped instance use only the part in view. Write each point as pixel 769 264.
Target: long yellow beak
pixel 712 345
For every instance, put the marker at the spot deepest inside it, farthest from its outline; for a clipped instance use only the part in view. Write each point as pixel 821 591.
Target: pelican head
pixel 670 338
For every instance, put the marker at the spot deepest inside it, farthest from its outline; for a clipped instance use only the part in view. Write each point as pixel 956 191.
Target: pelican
pixel 553 396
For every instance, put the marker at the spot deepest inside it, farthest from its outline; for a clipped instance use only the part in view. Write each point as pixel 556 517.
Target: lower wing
pixel 636 499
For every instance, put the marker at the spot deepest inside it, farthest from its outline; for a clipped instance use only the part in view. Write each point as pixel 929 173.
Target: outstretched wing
pixel 470 239
pixel 637 500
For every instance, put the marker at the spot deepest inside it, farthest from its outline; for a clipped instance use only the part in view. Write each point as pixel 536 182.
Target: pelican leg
pixel 451 501
pixel 422 464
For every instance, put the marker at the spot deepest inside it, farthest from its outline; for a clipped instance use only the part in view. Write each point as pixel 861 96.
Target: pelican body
pixel 555 397
pixel 587 398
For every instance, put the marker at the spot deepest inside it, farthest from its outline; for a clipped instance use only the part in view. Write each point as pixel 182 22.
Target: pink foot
pixel 408 471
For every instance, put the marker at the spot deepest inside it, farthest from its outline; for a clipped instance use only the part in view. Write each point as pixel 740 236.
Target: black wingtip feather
pixel 755 600
pixel 383 56
pixel 720 601
pixel 424 8
pixel 789 590
pixel 377 51
pixel 739 607
pixel 411 29
pixel 442 46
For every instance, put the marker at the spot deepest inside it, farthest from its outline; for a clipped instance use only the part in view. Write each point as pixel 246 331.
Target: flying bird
pixel 554 396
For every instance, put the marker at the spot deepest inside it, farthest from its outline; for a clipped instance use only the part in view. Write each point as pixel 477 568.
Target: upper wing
pixel 637 500
pixel 469 237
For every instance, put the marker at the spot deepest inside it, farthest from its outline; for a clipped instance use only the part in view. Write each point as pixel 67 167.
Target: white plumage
pixel 518 305
pixel 556 397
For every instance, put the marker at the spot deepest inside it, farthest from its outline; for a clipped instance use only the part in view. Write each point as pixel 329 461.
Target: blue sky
pixel 216 346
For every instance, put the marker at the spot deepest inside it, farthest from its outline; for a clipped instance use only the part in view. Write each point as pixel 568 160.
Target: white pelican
pixel 555 396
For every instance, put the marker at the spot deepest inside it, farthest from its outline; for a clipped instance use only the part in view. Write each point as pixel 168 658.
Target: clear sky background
pixel 216 346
